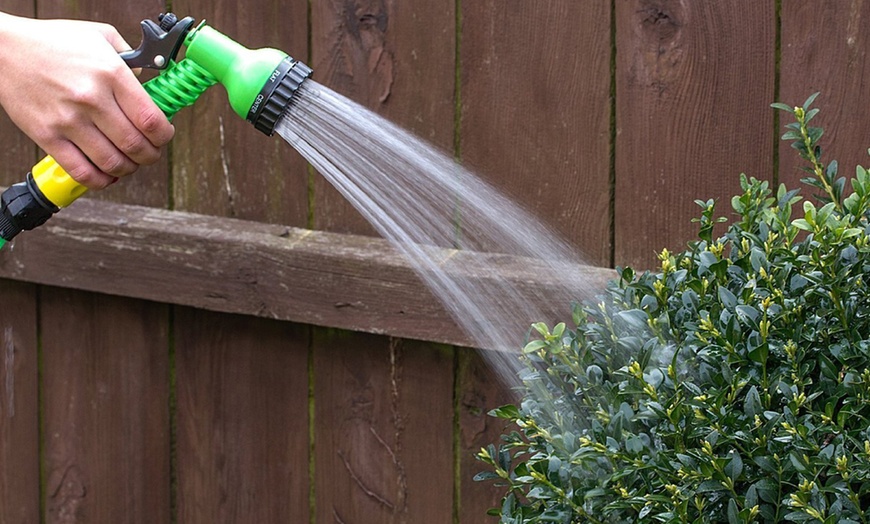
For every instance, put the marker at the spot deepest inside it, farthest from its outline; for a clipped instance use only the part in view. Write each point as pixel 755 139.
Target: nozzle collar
pixel 277 94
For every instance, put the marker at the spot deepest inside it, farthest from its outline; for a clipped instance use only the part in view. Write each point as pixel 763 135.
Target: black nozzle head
pixel 277 95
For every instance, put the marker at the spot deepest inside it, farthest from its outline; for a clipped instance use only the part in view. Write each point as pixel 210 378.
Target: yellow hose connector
pixel 56 185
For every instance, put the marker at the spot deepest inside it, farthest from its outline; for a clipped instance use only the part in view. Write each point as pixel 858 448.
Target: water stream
pixel 417 197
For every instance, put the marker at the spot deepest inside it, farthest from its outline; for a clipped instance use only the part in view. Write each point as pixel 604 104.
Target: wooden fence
pixel 178 362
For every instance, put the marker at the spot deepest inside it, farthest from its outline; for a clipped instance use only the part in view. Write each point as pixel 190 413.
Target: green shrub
pixel 731 386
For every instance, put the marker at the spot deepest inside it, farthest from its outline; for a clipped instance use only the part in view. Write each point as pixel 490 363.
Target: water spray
pixel 260 83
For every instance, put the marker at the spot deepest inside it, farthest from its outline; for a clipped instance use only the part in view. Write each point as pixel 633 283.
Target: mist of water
pixel 428 207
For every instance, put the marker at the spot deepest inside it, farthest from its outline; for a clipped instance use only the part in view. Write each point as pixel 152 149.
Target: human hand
pixel 65 86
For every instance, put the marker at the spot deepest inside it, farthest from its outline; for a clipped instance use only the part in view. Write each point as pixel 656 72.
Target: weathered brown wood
pixel 242 419
pixel 220 264
pixel 18 153
pixel 536 110
pixel 19 411
pixel 105 408
pixel 396 58
pixel 19 407
pixel 106 416
pixel 481 390
pixel 384 429
pixel 221 164
pixel 694 82
pixel 242 410
pixel 384 422
pixel 242 388
pixel 149 185
pixel 824 49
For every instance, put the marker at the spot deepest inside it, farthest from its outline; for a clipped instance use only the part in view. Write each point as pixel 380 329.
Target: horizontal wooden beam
pixel 221 264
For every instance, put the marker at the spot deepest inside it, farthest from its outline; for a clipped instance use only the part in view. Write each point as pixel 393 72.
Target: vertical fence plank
pixel 694 84
pixel 19 411
pixel 149 185
pixel 222 165
pixel 535 122
pixel 242 448
pixel 106 396
pixel 242 383
pixel 481 390
pixel 384 426
pixel 824 49
pixel 396 58
pixel 536 110
pixel 18 152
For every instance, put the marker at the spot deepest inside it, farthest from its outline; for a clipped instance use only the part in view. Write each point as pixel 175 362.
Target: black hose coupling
pixel 23 207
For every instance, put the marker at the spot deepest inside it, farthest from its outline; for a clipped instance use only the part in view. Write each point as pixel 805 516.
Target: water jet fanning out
pixel 418 198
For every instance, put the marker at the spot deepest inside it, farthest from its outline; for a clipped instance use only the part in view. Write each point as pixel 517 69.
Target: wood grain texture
pixel 221 264
pixel 536 110
pixel 693 88
pixel 383 430
pixel 243 387
pixel 149 186
pixel 221 164
pixel 19 407
pixel 384 408
pixel 106 418
pixel 481 390
pixel 242 419
pixel 396 58
pixel 19 410
pixel 106 408
pixel 825 49
pixel 18 153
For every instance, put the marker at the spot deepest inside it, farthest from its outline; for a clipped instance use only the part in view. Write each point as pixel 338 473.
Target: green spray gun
pixel 261 85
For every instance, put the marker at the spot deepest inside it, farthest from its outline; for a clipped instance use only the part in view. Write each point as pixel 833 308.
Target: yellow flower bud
pixel 764 328
pixel 790 349
pixel 842 464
